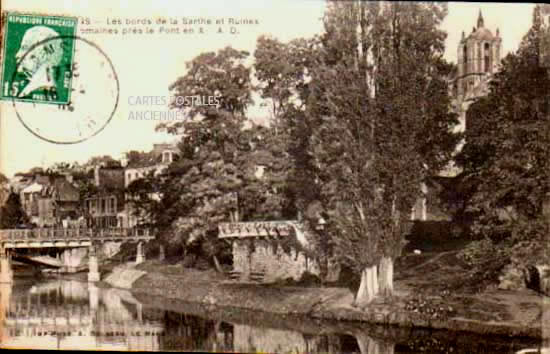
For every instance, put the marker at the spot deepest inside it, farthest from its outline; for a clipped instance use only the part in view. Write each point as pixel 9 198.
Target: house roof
pixel 23 174
pixel 111 178
pixel 58 188
pixel 33 188
pixel 151 161
pixel 65 191
pixel 482 33
pixel 154 156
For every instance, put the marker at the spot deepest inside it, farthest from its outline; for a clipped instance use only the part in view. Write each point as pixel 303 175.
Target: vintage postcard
pixel 309 176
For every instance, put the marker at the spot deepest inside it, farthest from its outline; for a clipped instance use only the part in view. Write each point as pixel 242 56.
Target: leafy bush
pixel 477 251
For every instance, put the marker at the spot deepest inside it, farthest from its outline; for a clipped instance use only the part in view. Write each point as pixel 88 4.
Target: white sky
pixel 147 65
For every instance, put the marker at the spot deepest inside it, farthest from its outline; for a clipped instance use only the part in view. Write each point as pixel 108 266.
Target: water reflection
pixel 62 314
pixel 74 315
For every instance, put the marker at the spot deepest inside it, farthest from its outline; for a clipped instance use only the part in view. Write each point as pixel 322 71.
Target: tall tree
pixel 230 174
pixel 282 70
pixel 139 157
pixel 12 213
pixel 221 154
pixel 380 123
pixel 4 189
pixel 214 82
pixel 104 161
pixel 143 196
pixel 505 157
pixel 284 73
pixel 265 163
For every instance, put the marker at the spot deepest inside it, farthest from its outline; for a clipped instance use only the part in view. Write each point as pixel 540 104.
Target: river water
pixel 67 314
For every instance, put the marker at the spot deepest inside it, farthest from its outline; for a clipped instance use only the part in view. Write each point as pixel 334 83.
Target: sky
pixel 147 64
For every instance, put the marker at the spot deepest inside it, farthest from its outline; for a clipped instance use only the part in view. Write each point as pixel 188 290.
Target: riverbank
pixel 415 340
pixel 141 321
pixel 506 313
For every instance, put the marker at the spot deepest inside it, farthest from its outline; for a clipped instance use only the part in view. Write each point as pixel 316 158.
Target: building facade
pixel 103 207
pixel 161 156
pixel 49 200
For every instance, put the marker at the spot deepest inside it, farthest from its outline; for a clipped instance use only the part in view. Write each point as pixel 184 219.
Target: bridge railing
pixel 71 233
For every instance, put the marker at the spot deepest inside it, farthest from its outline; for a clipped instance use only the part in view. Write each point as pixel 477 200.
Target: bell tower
pixel 478 56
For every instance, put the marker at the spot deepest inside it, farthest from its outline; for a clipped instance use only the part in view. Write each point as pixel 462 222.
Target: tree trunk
pixel 369 345
pixel 374 280
pixel 387 348
pixel 162 255
pixel 213 336
pixel 385 276
pixel 217 264
pixel 368 289
pixel 183 256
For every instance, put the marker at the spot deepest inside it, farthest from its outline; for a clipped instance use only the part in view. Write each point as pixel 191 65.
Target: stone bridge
pixel 65 237
pixel 71 239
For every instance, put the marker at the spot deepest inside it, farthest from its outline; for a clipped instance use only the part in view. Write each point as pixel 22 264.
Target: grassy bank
pixel 415 305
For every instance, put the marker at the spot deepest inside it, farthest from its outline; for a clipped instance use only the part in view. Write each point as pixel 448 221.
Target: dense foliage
pixel 378 123
pixel 12 214
pixel 359 121
pixel 230 169
pixel 361 117
pixel 505 159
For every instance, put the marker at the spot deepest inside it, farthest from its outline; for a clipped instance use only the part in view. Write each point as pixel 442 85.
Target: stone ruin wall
pixel 273 261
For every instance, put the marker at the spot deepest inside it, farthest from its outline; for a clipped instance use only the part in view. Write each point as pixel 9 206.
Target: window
pixel 464 60
pixel 103 205
pixel 167 157
pixel 112 206
pixel 487 59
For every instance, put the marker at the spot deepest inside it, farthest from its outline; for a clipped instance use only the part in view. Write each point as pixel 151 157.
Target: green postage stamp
pixel 38 58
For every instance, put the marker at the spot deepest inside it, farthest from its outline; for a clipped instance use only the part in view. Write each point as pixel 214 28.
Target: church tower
pixel 478 57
